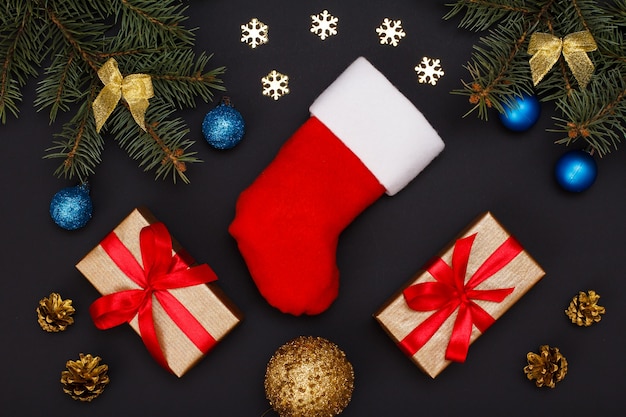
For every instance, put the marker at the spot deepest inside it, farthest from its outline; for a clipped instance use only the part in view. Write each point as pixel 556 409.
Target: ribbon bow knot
pixel 546 49
pixel 449 293
pixel 136 89
pixel 161 271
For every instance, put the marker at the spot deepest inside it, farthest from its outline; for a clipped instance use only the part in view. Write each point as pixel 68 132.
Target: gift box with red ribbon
pixel 458 295
pixel 149 281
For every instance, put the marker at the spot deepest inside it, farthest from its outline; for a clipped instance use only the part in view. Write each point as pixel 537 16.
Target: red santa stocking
pixel 364 139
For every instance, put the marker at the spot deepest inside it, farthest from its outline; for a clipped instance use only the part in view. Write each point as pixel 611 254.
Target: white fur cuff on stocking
pixel 378 124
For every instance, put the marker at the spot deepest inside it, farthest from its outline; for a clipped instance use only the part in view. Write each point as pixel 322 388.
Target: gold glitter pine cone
pixel 584 310
pixel 309 377
pixel 85 379
pixel 547 367
pixel 54 314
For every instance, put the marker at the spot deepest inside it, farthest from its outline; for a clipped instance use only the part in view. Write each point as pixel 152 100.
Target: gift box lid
pixel 510 279
pixel 207 303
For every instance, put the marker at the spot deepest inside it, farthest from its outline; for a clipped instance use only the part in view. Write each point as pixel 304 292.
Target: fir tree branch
pixel 173 160
pixel 63 86
pixel 145 37
pixel 164 20
pixel 482 14
pixel 588 115
pixel 500 71
pixel 9 93
pixel 17 40
pixel 69 38
pixel 104 56
pixel 618 11
pixel 179 79
pixel 81 146
pixel 580 15
pixel 496 89
pixel 500 52
pixel 162 147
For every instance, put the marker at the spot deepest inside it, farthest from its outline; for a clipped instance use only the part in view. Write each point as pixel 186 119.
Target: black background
pixel 577 238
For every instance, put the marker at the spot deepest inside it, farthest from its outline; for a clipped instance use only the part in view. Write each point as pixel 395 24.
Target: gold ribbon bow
pixel 136 89
pixel 547 48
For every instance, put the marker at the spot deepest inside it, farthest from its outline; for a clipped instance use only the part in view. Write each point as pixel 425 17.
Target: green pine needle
pixel 500 72
pixel 78 36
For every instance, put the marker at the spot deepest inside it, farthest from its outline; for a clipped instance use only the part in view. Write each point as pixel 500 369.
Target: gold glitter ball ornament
pixel 309 376
pixel 54 313
pixel 85 379
pixel 547 367
pixel 584 309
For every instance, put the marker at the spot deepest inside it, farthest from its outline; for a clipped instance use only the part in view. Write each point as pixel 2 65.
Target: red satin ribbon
pixel 450 292
pixel 162 270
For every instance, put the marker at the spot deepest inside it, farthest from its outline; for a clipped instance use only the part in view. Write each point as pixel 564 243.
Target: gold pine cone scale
pixel 54 314
pixel 546 368
pixel 85 379
pixel 584 309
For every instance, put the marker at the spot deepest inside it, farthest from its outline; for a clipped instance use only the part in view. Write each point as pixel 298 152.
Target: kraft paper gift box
pixel 448 304
pixel 149 281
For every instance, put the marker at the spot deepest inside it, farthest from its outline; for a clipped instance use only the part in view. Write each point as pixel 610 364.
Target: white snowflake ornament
pixel 254 33
pixel 324 24
pixel 390 32
pixel 429 71
pixel 275 85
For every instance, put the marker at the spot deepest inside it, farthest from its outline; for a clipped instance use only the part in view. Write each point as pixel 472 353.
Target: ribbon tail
pixel 138 109
pixel 105 103
pixel 149 334
pixel 581 66
pixel 480 318
pixel 469 316
pixel 541 63
pixel 458 345
pixel 137 89
pixel 419 336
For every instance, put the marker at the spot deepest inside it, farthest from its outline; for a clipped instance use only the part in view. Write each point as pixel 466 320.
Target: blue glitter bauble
pixel 71 207
pixel 576 171
pixel 522 114
pixel 223 127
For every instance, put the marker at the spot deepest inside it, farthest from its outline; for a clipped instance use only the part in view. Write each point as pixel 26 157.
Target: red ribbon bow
pixel 162 270
pixel 450 292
